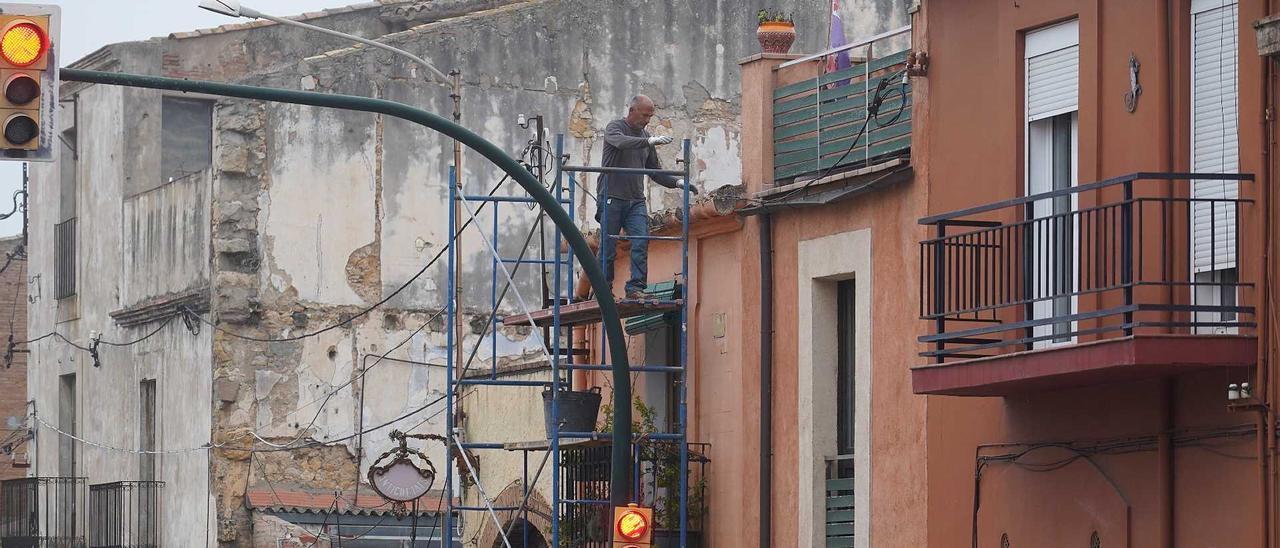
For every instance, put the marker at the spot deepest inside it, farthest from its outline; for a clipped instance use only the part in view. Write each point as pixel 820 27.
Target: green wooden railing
pixel 815 120
pixel 840 513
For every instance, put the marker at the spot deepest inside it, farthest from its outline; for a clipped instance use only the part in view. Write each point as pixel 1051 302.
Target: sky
pixel 90 24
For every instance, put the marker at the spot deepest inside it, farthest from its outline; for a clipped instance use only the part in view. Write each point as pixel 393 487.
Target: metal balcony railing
pixel 40 512
pixel 64 243
pixel 846 117
pixel 585 512
pixel 125 514
pixel 1146 251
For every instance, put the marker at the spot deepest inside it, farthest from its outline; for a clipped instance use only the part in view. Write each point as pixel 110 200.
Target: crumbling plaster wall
pixel 112 275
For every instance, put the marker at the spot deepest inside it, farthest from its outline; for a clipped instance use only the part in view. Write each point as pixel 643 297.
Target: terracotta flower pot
pixel 776 36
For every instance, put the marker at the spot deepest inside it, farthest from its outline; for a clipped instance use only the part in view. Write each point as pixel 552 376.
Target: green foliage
pixel 776 16
pixel 665 458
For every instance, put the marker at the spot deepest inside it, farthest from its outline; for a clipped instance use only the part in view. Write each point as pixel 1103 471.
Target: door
pixel 1052 137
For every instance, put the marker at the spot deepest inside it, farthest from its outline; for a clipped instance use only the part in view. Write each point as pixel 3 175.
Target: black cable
pixel 166 322
pixel 872 112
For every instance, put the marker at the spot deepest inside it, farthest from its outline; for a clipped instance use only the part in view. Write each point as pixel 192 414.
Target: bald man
pixel 620 205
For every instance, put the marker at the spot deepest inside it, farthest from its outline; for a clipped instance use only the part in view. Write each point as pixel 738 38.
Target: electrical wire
pixel 872 112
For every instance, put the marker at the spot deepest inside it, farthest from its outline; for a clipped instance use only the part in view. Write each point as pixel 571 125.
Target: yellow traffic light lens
pixel 22 43
pixel 632 525
pixel 21 89
pixel 20 129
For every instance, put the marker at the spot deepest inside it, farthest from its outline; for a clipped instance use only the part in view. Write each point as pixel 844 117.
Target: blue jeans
pixel 616 215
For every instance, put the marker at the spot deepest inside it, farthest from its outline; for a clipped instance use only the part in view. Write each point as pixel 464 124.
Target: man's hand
pixel 659 140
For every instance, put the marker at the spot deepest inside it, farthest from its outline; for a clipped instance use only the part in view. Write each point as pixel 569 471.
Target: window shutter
pixel 1214 125
pixel 1053 70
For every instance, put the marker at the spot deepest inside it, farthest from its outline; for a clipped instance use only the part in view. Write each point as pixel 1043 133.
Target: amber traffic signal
pixel 632 526
pixel 28 81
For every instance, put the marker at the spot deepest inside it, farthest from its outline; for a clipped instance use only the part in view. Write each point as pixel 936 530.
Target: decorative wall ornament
pixel 1135 88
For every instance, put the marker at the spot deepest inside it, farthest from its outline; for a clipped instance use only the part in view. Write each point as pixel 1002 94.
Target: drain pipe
pixel 766 378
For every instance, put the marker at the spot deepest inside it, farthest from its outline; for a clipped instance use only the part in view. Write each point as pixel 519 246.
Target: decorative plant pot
pixel 776 37
pixel 578 411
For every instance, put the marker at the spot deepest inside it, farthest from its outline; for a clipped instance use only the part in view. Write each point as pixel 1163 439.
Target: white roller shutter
pixel 1215 147
pixel 1053 70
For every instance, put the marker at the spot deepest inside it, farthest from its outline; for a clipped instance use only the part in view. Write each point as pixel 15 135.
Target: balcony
pixel 125 514
pixel 844 118
pixel 1126 278
pixel 821 128
pixel 37 512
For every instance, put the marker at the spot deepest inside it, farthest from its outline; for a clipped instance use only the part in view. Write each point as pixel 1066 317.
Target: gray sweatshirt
pixel 625 146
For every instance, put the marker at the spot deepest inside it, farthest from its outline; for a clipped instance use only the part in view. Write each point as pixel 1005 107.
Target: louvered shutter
pixel 1214 131
pixel 1053 70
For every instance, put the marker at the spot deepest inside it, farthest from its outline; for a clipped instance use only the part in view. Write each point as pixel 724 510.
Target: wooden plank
pixel 839 529
pixel 845 501
pixel 810 125
pixel 898 145
pixel 589 312
pixel 838 141
pixel 841 515
pixel 852 90
pixel 840 542
pixel 843 484
pixel 878 64
pixel 836 133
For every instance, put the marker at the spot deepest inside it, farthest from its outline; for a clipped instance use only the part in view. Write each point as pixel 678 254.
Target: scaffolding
pixel 579 459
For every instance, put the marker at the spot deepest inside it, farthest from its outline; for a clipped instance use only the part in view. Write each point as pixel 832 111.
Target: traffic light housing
pixel 632 526
pixel 28 81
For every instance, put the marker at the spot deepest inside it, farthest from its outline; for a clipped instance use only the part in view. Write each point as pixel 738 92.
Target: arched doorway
pixel 516 534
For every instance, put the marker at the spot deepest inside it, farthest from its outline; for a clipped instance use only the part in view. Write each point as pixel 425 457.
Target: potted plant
pixel 776 32
pixel 660 479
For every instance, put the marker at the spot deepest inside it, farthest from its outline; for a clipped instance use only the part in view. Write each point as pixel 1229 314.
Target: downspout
pixel 1164 466
pixel 1266 419
pixel 766 378
pixel 1164 443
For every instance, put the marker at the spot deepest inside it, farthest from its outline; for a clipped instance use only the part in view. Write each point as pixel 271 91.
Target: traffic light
pixel 28 81
pixel 632 526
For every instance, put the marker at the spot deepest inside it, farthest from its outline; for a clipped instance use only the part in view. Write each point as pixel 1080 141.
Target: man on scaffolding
pixel 621 204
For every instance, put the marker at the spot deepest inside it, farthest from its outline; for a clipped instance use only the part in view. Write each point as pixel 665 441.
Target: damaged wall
pixel 164 255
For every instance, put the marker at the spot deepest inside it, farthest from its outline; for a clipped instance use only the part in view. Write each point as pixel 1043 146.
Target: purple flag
pixel 839 61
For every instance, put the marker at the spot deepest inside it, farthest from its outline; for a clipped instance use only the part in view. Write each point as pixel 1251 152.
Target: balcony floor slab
pixel 1099 362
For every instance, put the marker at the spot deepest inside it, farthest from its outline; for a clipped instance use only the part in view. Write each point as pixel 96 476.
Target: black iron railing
pixel 1153 252
pixel 585 513
pixel 125 514
pixel 64 244
pixel 38 512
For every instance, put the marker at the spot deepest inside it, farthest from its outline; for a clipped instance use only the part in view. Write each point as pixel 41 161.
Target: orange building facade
pixel 1041 319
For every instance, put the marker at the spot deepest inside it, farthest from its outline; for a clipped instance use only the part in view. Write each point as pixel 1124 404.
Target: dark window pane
pixel 186 141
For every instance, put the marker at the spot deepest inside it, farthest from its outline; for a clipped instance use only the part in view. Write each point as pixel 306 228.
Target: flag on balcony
pixel 838 61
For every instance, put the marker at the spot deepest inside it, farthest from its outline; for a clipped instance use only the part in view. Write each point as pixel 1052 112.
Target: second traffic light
pixel 632 526
pixel 28 81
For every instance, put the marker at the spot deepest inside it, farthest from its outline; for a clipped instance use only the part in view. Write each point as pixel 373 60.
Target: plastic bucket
pixel 578 411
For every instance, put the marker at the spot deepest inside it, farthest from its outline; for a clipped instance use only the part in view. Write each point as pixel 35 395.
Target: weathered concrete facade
pixel 305 217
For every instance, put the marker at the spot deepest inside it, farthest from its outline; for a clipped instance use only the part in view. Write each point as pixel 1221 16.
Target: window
pixel 1052 92
pixel 67 423
pixel 64 232
pixel 1215 148
pixel 147 429
pixel 846 331
pixel 186 140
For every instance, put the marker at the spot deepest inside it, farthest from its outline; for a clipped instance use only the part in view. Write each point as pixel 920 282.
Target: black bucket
pixel 578 410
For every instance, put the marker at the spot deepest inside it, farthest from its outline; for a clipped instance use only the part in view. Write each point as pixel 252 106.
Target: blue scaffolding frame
pixel 562 366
